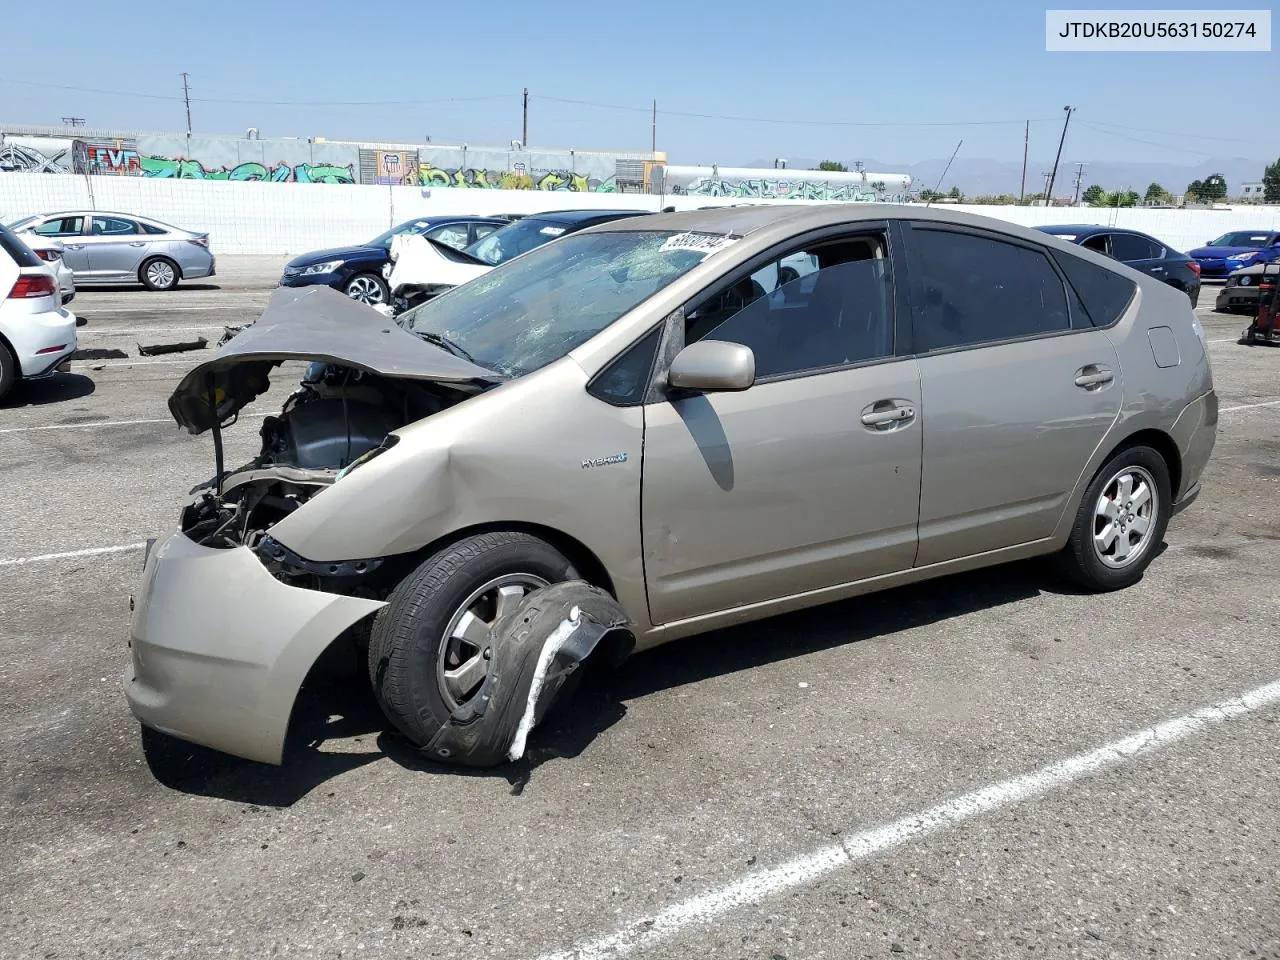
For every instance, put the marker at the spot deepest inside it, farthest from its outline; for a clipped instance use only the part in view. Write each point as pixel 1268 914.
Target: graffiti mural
pixel 167 168
pixel 18 155
pixel 778 189
pixel 517 178
pixel 396 167
pixel 114 161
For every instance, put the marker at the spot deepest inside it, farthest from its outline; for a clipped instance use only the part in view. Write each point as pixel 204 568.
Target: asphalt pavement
pixel 987 765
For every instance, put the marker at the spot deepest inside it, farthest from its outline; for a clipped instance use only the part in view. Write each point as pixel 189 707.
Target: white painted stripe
pixel 86 426
pixel 156 331
pixel 1249 406
pixel 91 310
pixel 803 870
pixel 1226 340
pixel 70 554
pixel 108 364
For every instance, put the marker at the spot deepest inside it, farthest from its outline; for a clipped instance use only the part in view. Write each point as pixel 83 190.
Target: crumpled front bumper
pixel 219 648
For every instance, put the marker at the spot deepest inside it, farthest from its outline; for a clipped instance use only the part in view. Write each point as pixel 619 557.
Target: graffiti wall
pixel 755 184
pixel 300 160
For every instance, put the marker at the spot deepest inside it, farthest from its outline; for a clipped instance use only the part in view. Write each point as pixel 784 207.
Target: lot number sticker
pixel 707 243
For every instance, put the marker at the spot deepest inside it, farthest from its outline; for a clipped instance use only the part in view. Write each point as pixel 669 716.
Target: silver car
pixel 112 248
pixel 651 429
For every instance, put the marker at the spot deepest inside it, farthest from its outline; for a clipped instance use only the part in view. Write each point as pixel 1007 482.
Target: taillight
pixel 33 285
pixel 1194 267
pixel 49 256
pixel 199 241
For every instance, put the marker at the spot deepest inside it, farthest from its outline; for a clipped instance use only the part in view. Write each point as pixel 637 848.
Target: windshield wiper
pixel 444 342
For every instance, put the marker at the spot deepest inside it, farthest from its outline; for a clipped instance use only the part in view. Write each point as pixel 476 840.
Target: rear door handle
pixel 75 246
pixel 1093 376
pixel 137 243
pixel 1157 269
pixel 878 418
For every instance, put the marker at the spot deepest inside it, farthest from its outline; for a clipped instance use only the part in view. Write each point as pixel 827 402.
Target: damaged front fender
pixel 536 648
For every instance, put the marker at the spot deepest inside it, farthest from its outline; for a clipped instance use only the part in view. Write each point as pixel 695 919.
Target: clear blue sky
pixel 902 64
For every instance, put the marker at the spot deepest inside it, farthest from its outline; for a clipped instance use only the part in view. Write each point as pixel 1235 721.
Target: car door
pixel 1140 252
pixel 116 248
pixel 811 477
pixel 1018 389
pixel 69 228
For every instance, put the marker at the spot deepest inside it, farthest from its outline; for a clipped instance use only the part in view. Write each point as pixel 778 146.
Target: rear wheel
pixel 1121 521
pixel 159 273
pixel 431 646
pixel 8 371
pixel 367 288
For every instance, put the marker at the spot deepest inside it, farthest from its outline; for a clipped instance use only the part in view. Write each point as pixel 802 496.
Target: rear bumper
pixel 38 332
pixel 219 648
pixel 1195 432
pixel 1237 298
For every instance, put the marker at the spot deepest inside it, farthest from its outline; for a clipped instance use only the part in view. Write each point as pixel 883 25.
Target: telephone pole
pixel 1079 177
pixel 186 96
pixel 1048 200
pixel 524 136
pixel 1026 137
pixel 653 129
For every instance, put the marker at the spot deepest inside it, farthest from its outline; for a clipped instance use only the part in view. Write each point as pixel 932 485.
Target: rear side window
pixel 22 255
pixel 1104 293
pixel 974 289
pixel 1130 246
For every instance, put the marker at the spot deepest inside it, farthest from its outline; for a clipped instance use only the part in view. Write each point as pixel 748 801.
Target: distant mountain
pixel 979 176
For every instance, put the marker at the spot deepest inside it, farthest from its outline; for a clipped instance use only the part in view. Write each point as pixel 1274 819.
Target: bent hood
pixel 336 253
pixel 309 324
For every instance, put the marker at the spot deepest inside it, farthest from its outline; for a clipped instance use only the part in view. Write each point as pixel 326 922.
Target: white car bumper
pixel 42 341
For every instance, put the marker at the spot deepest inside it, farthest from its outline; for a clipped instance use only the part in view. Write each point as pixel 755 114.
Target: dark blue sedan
pixel 357 271
pixel 1236 250
pixel 1139 250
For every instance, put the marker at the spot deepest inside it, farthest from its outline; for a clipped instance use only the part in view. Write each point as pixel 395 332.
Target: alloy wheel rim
pixel 160 274
pixel 365 289
pixel 463 660
pixel 1124 517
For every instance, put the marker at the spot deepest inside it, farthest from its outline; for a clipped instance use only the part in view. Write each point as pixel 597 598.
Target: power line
pixel 1149 143
pixel 1168 133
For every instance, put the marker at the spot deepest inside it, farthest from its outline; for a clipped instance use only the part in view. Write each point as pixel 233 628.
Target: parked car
pixel 357 270
pixel 113 248
pixel 420 270
pixel 51 252
pixel 1240 293
pixel 647 430
pixel 1138 250
pixel 37 334
pixel 1236 250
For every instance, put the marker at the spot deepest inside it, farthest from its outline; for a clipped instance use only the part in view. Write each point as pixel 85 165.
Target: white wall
pixel 291 218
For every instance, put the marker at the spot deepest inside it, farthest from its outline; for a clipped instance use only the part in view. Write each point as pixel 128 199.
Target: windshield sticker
pixel 552 231
pixel 707 243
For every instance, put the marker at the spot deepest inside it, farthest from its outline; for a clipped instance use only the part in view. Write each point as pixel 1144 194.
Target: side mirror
pixel 712 366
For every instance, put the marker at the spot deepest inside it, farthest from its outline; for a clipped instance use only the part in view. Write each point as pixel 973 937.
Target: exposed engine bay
pixel 337 416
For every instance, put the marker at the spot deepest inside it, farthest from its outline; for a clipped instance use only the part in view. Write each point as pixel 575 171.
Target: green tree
pixel 834 166
pixel 1214 187
pixel 1194 191
pixel 1271 183
pixel 955 194
pixel 1156 194
pixel 1094 195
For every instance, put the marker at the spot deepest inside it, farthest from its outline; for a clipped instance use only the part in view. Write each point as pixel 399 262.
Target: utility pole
pixel 1048 200
pixel 653 148
pixel 1026 137
pixel 1079 177
pixel 186 95
pixel 524 137
pixel 1046 187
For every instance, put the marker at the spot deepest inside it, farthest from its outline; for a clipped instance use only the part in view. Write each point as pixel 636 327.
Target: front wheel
pixel 159 273
pixel 367 288
pixel 1121 521
pixel 430 648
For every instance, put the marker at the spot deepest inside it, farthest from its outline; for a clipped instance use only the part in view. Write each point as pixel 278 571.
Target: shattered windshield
pixel 514 239
pixel 534 310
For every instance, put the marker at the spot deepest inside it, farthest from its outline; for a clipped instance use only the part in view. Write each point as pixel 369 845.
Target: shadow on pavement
pixel 59 388
pixel 337 702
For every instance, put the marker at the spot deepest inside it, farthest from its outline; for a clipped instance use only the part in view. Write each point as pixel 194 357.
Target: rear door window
pixel 1104 292
pixel 112 227
pixel 1130 246
pixel 971 289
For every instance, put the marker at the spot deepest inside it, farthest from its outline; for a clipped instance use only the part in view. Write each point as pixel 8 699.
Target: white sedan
pixel 37 333
pixel 51 251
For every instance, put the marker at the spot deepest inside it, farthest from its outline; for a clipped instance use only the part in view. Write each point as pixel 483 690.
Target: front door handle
pixel 879 418
pixel 1093 376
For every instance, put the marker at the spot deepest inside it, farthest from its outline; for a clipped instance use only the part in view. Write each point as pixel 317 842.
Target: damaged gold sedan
pixel 647 430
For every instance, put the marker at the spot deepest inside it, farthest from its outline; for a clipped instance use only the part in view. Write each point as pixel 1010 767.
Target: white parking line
pixel 86 426
pixel 1248 406
pixel 70 554
pixel 757 886
pixel 148 331
pixel 92 310
pixel 108 364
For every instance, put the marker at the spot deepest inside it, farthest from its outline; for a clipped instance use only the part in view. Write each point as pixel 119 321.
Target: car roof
pixel 578 216
pixel 1081 229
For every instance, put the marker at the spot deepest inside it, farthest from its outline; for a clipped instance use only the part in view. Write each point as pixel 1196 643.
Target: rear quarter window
pixel 21 254
pixel 1104 293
